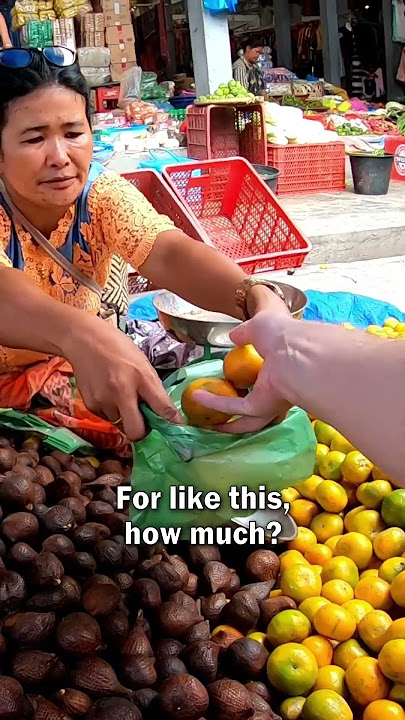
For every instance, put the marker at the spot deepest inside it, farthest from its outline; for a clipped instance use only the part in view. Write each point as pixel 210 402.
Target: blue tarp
pixel 334 307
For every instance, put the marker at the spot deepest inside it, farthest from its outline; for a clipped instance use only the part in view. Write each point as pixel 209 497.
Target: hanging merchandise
pixel 221 6
pixel 398 21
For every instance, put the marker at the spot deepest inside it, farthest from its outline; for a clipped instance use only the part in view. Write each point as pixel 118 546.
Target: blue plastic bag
pixel 221 6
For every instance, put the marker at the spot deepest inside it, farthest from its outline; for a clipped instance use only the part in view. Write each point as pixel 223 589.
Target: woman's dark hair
pixel 251 42
pixel 16 83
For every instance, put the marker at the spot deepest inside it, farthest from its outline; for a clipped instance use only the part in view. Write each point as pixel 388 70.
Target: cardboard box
pixel 117 70
pixel 99 39
pixel 119 35
pixel 111 20
pixel 116 7
pixel 122 54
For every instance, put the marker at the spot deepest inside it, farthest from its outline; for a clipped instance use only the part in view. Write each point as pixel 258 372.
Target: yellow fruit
pixel 371 494
pixel 288 626
pixel 324 432
pixel 321 452
pixel 326 705
pixel 369 573
pixel 334 622
pixel 260 637
pixel 330 466
pixel 291 708
pixel 331 496
pixel 365 680
pixel 311 605
pixel 389 543
pixel 393 509
pixel 291 557
pixel 341 444
pixel 384 710
pixel 397 693
pixel 318 554
pixel 307 488
pixel 197 414
pixel 300 582
pixel 332 542
pixel 325 525
pixel 349 517
pixel 93 461
pixel 292 669
pixel 391 568
pixel 317 568
pixel 357 547
pixel 398 589
pixel 303 511
pixel 322 649
pixel 305 538
pixel 331 677
pixel 396 631
pixel 391 322
pixel 242 366
pixel 392 660
pixel 358 608
pixel 356 468
pixel 289 495
pixel 275 593
pixel 347 651
pixel 341 568
pixel 373 627
pixel 375 591
pixel 337 591
pixel 369 523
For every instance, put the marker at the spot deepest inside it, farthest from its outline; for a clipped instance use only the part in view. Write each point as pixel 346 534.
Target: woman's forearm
pixel 349 379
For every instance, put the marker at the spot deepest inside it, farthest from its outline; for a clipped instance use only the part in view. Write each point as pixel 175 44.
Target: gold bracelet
pixel 247 284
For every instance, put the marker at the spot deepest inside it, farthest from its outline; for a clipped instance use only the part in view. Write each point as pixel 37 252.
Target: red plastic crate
pixel 309 168
pixel 240 215
pixel 165 201
pixel 107 98
pixel 396 146
pixel 223 131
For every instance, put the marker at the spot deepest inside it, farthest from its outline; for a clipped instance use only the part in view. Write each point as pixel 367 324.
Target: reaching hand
pixel 264 404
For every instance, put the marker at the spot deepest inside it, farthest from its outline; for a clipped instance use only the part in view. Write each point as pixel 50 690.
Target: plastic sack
pixel 94 57
pixel 130 86
pixel 150 90
pixel 96 76
pixel 277 456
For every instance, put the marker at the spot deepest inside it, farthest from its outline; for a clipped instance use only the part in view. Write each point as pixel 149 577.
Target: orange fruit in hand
pixel 322 649
pixel 365 680
pixel 242 366
pixel 373 629
pixel 384 709
pixel 356 468
pixel 197 414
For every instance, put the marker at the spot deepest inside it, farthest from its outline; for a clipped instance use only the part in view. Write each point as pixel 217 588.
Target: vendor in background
pixel 5 41
pixel 57 358
pixel 246 71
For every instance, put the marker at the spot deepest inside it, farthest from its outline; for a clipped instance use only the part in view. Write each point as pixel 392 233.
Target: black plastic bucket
pixel 371 173
pixel 270 175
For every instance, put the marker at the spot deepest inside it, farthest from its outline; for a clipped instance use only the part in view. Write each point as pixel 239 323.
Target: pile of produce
pixel 287 125
pixel 227 94
pixel 396 113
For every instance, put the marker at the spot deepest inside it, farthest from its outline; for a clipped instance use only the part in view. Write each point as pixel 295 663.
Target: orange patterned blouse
pixel 110 217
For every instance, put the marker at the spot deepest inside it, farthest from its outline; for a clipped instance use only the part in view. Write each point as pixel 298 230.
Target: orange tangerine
pixel 325 525
pixel 389 543
pixel 396 631
pixel 307 488
pixel 260 637
pixel 398 589
pixel 391 568
pixel 365 680
pixel 326 705
pixel 318 554
pixel 330 466
pixel 227 629
pixel 393 509
pixel 288 626
pixel 334 622
pixel 292 669
pixel 322 649
pixel 289 495
pixel 197 414
pixel 341 444
pixel 275 593
pixel 356 468
pixel 375 591
pixel 242 366
pixel 311 605
pixel 305 538
pixel 291 708
pixel 300 582
pixel 384 709
pixel 331 496
pixel 392 660
pixel 303 511
pixel 341 568
pixel 371 572
pixel 331 677
pixel 368 523
pixel 347 651
pixel 357 547
pixel 349 517
pixel 318 568
pixel 332 542
pixel 358 608
pixel 337 591
pixel 291 557
pixel 397 693
pixel 373 627
pixel 321 452
pixel 324 432
pixel 371 494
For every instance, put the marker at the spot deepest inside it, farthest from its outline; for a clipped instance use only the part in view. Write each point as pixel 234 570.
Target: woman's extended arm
pixel 4 34
pixel 349 379
pixel 110 371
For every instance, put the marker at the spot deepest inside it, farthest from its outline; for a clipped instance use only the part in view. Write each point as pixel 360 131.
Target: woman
pixel 246 71
pixel 87 215
pixel 4 33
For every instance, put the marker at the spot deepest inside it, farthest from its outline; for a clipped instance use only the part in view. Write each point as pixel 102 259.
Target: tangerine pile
pixel 341 652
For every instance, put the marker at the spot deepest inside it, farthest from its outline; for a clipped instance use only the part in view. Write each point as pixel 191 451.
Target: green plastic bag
pixel 277 457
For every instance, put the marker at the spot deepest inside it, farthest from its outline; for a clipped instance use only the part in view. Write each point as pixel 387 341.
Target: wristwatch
pixel 245 287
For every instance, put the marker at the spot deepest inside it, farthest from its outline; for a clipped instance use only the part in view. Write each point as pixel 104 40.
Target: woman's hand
pixel 264 405
pixel 113 376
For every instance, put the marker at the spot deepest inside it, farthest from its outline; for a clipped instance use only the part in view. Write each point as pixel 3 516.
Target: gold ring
pixel 117 422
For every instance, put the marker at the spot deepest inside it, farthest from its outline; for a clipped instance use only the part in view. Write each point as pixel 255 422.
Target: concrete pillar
pixel 330 41
pixel 283 33
pixel 210 47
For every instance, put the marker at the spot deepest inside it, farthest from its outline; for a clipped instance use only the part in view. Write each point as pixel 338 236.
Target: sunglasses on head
pixel 19 58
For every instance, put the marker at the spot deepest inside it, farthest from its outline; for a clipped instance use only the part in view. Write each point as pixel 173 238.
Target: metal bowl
pixel 188 322
pixel 289 530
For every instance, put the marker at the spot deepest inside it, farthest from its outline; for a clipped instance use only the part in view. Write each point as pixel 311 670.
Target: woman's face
pixel 252 54
pixel 46 147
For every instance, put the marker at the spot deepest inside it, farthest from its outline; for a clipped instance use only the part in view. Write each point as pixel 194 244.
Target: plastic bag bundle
pixel 40 33
pixel 130 86
pixel 150 90
pixel 22 13
pixel 278 456
pixel 93 57
pixel 69 8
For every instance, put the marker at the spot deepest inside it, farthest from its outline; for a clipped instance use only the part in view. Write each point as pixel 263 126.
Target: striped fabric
pixel 116 290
